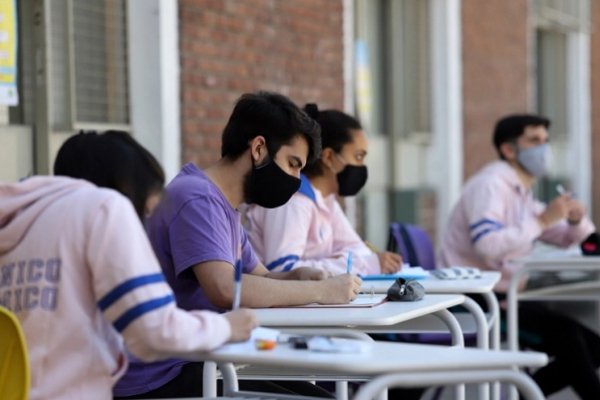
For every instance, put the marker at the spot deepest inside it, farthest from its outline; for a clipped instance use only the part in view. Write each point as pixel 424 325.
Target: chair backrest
pixel 413 244
pixel 14 361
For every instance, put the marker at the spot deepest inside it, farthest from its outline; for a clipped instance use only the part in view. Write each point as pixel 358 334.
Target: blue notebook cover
pixel 406 273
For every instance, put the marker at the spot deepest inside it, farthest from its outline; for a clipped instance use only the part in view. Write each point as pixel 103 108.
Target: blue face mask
pixel 535 160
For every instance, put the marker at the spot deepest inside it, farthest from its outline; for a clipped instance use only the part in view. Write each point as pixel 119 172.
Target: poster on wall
pixel 8 53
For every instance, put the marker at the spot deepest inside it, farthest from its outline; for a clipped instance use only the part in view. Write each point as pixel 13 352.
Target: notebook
pixel 362 300
pixel 407 272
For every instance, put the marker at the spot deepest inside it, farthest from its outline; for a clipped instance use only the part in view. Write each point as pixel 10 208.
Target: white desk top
pixel 434 285
pixel 386 314
pixel 379 358
pixel 557 258
pixel 546 255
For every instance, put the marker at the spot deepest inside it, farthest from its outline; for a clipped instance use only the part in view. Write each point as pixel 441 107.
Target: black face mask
pixel 269 186
pixel 351 179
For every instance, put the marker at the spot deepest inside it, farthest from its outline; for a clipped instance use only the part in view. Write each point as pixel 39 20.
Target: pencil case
pixel 405 290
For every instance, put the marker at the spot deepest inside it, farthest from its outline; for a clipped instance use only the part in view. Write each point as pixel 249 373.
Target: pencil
pixel 237 286
pixel 349 263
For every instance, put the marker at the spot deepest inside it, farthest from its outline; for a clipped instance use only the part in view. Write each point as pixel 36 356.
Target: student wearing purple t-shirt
pixel 197 235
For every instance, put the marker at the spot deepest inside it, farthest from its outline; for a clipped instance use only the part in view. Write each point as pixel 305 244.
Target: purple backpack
pixel 413 244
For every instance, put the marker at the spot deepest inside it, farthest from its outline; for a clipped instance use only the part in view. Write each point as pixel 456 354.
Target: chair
pixel 14 361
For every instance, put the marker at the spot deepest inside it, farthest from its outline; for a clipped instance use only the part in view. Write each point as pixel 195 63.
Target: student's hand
pixel 242 322
pixel 556 211
pixel 389 262
pixel 309 274
pixel 576 212
pixel 340 289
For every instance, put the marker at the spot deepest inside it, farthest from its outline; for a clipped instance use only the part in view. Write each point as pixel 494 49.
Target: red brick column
pixel 495 72
pixel 229 47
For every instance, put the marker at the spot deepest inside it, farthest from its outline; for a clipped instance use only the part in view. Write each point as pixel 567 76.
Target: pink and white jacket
pixel 310 231
pixel 78 271
pixel 496 220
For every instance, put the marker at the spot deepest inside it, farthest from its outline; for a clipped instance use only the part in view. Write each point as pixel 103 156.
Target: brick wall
pixel 495 72
pixel 229 47
pixel 595 72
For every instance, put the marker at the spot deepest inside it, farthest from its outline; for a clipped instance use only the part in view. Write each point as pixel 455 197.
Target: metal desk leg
pixel 482 338
pixel 457 340
pixel 413 379
pixel 481 322
pixel 341 390
pixel 494 323
pixel 512 324
pixel 209 379
pixel 230 382
pixel 453 326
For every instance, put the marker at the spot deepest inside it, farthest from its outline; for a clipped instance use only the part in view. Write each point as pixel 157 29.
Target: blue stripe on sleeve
pixel 483 233
pixel 128 286
pixel 483 222
pixel 124 320
pixel 282 260
pixel 289 266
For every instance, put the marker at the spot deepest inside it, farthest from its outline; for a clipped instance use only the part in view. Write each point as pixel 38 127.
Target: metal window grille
pixel 88 63
pixel 564 15
pixel 397 34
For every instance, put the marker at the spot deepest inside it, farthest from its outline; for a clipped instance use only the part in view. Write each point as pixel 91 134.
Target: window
pixel 553 21
pixel 564 15
pixel 88 62
pixel 392 40
pixel 551 93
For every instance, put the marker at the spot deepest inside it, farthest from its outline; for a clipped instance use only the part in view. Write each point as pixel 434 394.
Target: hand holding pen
pixel 576 210
pixel 242 321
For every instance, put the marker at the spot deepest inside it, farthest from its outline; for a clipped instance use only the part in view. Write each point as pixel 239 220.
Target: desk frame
pixel 547 265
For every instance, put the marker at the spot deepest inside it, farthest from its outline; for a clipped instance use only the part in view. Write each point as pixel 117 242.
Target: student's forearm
pixel 260 292
pixel 288 275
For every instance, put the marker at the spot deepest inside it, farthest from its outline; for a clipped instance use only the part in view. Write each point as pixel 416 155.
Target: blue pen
pixel 349 263
pixel 237 288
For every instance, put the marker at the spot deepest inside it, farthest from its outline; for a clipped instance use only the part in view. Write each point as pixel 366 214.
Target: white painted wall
pixel 154 79
pixel 579 149
pixel 445 161
pixel 16 160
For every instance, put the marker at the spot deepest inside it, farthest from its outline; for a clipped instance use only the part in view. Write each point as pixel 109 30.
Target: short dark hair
pixel 511 127
pixel 114 160
pixel 335 133
pixel 273 116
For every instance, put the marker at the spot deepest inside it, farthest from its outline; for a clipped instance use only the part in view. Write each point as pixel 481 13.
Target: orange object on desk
pixel 265 344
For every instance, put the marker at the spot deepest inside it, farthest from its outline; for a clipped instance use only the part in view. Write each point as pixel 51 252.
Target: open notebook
pixel 362 300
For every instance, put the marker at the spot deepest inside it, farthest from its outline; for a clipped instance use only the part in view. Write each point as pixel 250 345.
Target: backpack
pixel 413 244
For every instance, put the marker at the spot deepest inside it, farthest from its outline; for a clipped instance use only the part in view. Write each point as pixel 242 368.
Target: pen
pixel 237 288
pixel 349 263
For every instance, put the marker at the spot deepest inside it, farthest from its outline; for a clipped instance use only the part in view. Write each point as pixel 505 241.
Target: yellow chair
pixel 14 362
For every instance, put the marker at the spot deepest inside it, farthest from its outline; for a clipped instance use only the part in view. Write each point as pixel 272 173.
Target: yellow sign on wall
pixel 8 53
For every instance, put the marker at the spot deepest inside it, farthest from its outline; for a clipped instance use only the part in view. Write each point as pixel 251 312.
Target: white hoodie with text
pixel 78 271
